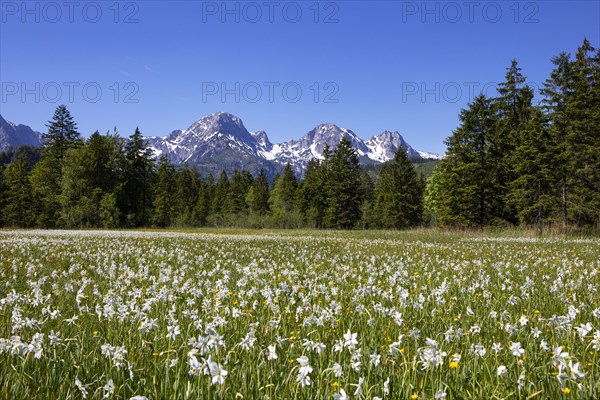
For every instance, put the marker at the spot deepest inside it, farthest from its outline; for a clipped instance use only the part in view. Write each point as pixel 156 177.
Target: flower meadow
pixel 297 315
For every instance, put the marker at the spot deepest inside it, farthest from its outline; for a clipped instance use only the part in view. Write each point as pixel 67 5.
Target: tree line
pixel 105 181
pixel 512 161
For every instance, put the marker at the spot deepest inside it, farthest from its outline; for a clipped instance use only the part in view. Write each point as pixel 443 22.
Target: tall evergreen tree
pixel 583 133
pixel 514 107
pixel 186 198
pixel 241 181
pixel 557 91
pixel 257 197
pixel 283 197
pixel 312 193
pixel 138 173
pixel 222 196
pixel 343 188
pixel 470 190
pixel 203 206
pixel 16 207
pixel 533 191
pixel 164 210
pixel 399 194
pixel 62 133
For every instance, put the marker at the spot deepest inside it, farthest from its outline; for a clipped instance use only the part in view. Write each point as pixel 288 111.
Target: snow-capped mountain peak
pixel 221 141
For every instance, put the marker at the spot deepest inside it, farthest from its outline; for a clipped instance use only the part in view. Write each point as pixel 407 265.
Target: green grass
pixel 297 290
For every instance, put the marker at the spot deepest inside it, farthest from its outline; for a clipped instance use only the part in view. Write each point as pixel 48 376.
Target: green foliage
pixel 508 163
pixel 399 194
pixel 343 183
pixel 16 204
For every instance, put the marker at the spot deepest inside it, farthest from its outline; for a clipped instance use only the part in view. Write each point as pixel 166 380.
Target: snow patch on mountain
pixel 223 135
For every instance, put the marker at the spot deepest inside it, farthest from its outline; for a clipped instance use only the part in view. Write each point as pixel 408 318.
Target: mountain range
pixel 12 135
pixel 220 141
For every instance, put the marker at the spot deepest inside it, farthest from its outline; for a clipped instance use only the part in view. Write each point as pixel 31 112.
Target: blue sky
pixel 282 67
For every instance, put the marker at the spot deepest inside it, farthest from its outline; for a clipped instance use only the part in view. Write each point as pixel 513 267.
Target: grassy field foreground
pixel 297 316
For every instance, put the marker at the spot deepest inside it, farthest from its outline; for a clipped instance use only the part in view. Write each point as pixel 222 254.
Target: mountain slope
pixel 12 135
pixel 221 141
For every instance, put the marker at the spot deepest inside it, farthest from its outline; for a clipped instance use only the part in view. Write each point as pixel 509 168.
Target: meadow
pixel 297 315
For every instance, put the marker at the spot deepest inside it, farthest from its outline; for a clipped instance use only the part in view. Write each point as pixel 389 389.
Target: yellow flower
pixel 336 384
pixel 155 354
pixel 414 396
pixel 566 390
pixel 95 333
pixel 453 364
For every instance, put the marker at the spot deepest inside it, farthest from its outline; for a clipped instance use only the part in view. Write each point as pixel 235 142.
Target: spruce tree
pixel 470 192
pixel 138 174
pixel 62 133
pixel 514 107
pixel 164 203
pixel 583 133
pixel 312 194
pixel 399 194
pixel 533 191
pixel 557 91
pixel 203 206
pixel 222 196
pixel 344 196
pixel 16 207
pixel 257 197
pixel 283 197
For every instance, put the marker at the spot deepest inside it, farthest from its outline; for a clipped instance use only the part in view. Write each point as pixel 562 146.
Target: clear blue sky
pixel 391 65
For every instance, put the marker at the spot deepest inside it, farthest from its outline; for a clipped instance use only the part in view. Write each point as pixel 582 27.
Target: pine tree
pixel 533 191
pixel 583 136
pixel 282 198
pixel 16 207
pixel 62 133
pixel 203 206
pixel 164 210
pixel 311 198
pixel 399 193
pixel 220 202
pixel 257 197
pixel 343 188
pixel 470 192
pixel 186 197
pixel 241 181
pixel 138 173
pixel 557 91
pixel 515 109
